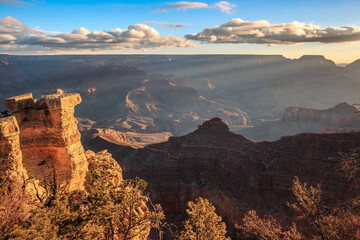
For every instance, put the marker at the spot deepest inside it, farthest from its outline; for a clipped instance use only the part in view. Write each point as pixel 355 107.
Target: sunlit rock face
pixel 11 158
pixel 40 144
pixel 49 138
pixel 236 173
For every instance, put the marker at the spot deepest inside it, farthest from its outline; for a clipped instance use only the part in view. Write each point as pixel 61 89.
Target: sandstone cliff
pixel 42 135
pixel 11 158
pixel 40 144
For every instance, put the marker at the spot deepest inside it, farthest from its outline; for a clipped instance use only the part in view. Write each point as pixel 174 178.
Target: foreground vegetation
pixel 112 208
pixel 315 220
pixel 109 208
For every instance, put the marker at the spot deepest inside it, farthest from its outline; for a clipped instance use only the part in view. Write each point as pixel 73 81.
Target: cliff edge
pixel 41 140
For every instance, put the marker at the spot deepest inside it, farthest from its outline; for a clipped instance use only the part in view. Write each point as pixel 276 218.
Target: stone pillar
pixel 61 106
pixel 49 139
pixel 11 166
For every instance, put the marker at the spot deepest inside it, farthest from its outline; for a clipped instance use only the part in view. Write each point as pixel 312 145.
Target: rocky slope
pixel 236 173
pixel 340 118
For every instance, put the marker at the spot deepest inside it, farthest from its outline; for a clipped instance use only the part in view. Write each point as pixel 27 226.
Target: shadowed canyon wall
pixel 238 174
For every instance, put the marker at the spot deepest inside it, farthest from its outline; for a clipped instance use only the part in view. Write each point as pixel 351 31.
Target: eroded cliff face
pixel 11 158
pixel 236 173
pixel 41 151
pixel 48 144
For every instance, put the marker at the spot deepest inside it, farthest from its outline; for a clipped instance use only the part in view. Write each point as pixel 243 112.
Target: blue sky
pixel 56 17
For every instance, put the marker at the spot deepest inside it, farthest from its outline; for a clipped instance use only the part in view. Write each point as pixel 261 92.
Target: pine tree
pixel 202 222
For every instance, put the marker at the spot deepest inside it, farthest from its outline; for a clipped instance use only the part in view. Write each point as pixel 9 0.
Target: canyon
pixel 150 97
pixel 145 110
pixel 41 141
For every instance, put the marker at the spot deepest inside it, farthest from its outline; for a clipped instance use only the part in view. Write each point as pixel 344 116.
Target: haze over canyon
pixel 150 97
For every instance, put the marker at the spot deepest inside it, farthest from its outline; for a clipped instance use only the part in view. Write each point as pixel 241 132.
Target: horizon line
pixel 179 54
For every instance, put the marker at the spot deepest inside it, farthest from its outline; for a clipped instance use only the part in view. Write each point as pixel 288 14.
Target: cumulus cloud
pixel 12 29
pixel 224 6
pixel 165 24
pixel 138 36
pixel 262 32
pixel 11 23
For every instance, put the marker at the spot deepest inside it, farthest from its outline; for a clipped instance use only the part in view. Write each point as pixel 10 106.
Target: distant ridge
pixel 236 173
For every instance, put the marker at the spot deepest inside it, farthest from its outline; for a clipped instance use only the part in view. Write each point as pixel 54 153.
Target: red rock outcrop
pixel 238 174
pixel 41 143
pixel 49 139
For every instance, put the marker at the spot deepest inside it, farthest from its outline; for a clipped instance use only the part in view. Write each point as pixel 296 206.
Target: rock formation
pixel 342 113
pixel 11 158
pixel 48 141
pixel 340 118
pixel 40 144
pixel 236 173
pixel 96 138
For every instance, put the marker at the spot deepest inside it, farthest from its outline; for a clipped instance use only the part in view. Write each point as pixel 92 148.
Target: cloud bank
pixel 262 32
pixel 138 36
pixel 224 6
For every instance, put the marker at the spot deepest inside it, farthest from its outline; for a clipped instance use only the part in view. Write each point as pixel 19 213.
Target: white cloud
pixel 12 29
pixel 82 31
pixel 262 32
pixel 138 36
pixel 224 6
pixel 6 38
pixel 9 22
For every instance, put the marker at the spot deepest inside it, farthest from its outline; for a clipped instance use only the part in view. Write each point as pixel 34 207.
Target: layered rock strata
pixel 340 118
pixel 11 166
pixel 49 139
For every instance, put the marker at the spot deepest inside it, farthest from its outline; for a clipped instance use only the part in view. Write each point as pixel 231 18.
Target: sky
pixel 291 28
